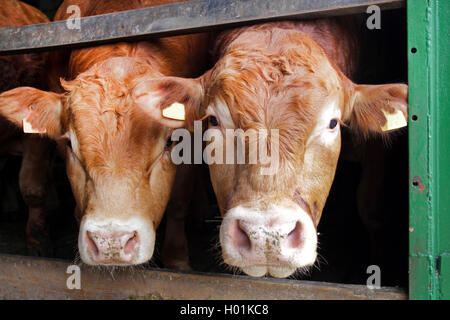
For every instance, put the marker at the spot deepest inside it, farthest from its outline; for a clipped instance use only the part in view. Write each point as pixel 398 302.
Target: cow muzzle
pixel 277 241
pixel 116 242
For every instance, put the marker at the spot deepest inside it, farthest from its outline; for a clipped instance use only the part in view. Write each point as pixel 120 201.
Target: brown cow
pixel 117 157
pixel 293 77
pixel 27 70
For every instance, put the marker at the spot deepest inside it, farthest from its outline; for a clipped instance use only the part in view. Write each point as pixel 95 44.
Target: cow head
pixel 286 83
pixel 117 156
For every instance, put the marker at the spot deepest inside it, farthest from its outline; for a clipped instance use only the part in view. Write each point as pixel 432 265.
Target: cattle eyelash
pixel 342 123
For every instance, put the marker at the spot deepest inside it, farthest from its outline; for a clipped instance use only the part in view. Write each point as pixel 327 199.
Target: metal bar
pixel 442 141
pixel 174 19
pixel 420 206
pixel 39 278
pixel 429 158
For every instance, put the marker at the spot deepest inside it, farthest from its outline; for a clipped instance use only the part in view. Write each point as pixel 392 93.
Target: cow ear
pixel 378 108
pixel 33 110
pixel 172 101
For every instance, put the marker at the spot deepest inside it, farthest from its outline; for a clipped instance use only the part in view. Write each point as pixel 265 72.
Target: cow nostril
pixel 294 238
pixel 130 246
pixel 240 236
pixel 91 243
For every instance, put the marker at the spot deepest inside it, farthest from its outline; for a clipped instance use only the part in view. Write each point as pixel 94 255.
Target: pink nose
pixel 270 241
pixel 112 247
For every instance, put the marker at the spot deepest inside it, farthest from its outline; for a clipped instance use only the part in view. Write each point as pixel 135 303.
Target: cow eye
pixel 169 142
pixel 333 123
pixel 213 120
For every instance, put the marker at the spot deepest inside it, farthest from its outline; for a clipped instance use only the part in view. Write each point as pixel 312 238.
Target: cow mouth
pixel 270 268
pixel 276 271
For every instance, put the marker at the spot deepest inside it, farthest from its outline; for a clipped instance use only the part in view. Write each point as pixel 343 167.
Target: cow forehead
pixel 110 129
pixel 273 84
pixel 270 64
pixel 240 101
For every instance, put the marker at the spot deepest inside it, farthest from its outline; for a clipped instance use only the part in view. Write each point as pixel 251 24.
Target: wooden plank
pixel 174 19
pixel 39 278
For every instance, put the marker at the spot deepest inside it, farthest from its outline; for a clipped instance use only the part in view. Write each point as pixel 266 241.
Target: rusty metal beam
pixel 39 278
pixel 174 19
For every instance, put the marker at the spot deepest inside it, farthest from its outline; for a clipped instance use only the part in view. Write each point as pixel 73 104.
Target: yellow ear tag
pixel 394 120
pixel 27 128
pixel 174 111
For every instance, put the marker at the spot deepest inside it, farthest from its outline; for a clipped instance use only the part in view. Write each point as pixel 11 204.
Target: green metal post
pixel 429 148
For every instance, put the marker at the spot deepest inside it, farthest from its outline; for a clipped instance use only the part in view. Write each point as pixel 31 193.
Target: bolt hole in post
pixel 413 50
pixel 417 182
pixel 414 117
